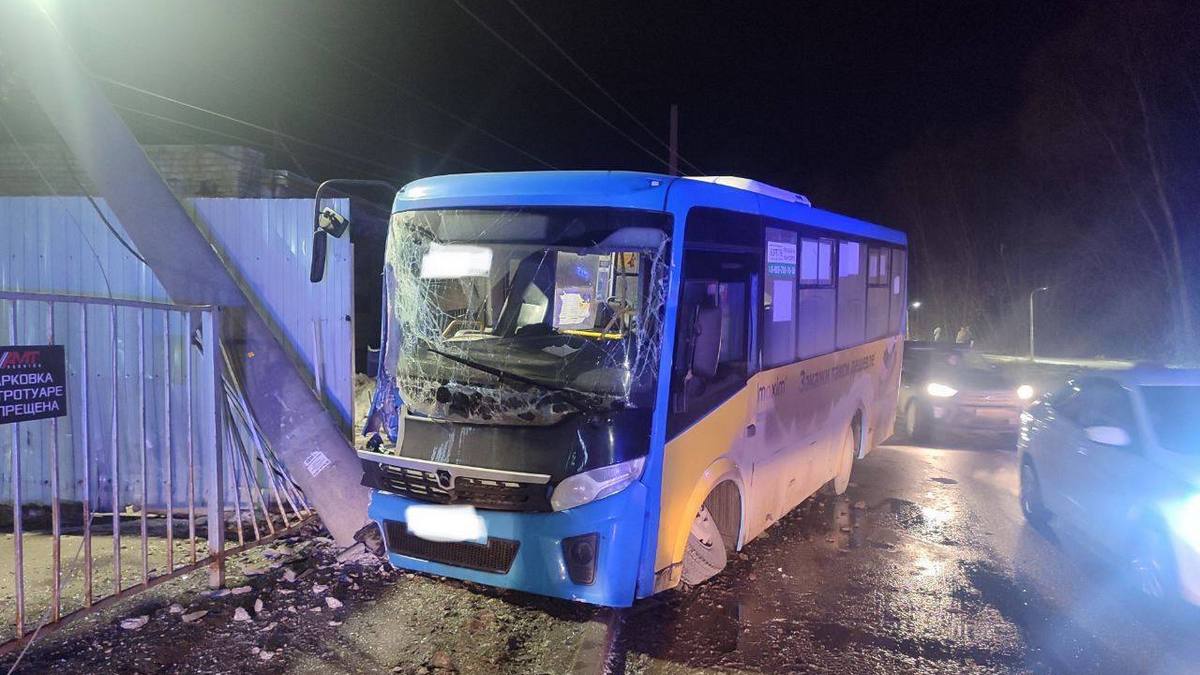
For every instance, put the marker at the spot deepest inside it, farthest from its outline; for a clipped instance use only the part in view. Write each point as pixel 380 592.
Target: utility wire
pixel 252 125
pixel 294 101
pixel 570 94
pixel 541 31
pixel 316 41
pixel 236 137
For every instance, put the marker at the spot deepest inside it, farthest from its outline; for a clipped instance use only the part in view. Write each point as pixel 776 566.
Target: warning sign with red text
pixel 33 383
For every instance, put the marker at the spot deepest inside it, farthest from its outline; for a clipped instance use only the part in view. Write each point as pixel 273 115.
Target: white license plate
pixel 996 414
pixel 445 523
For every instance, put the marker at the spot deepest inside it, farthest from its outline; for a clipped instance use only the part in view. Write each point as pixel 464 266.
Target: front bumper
pixel 970 419
pixel 539 566
pixel 1187 566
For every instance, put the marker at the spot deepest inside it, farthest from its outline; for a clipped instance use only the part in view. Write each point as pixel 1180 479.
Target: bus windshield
pixel 523 316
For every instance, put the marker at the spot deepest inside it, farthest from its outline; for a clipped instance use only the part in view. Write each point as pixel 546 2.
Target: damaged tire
pixel 705 555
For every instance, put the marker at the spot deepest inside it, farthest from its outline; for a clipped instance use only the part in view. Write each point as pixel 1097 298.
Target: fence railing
pixel 158 447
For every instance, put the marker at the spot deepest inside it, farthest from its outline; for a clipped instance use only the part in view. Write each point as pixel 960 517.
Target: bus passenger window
pixel 851 294
pixel 899 293
pixel 779 298
pixel 817 297
pixel 878 291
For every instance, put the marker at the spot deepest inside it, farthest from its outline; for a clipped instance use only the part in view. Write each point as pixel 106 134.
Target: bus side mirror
pixel 319 244
pixel 328 222
pixel 333 222
pixel 706 346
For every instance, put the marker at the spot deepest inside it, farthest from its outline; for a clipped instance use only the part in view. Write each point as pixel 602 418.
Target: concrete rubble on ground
pixel 192 617
pixel 360 613
pixel 135 623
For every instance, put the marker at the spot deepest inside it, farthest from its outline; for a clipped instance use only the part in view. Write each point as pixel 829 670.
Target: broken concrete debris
pixel 192 617
pixel 135 623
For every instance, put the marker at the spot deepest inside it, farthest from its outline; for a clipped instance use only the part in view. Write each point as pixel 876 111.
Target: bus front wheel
pixel 705 555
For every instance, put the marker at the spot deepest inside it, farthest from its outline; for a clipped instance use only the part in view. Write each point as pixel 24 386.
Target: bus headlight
pixel 1024 392
pixel 586 487
pixel 938 390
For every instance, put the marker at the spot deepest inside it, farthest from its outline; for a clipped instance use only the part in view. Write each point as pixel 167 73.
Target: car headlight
pixel 1181 515
pixel 589 486
pixel 940 390
pixel 1024 392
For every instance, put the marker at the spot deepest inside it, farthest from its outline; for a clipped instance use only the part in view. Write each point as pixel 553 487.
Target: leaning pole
pixel 302 432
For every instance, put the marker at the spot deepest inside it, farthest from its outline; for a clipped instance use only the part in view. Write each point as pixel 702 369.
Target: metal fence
pixel 63 245
pixel 157 463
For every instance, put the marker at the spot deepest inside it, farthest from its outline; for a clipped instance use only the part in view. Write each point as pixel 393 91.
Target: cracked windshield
pixel 519 317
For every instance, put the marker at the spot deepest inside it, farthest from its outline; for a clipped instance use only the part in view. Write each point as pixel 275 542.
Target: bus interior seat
pixel 528 302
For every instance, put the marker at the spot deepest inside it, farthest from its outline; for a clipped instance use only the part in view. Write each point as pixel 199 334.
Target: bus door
pixel 715 352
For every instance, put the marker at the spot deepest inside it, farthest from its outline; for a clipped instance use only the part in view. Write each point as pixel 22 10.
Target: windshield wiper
pixel 568 394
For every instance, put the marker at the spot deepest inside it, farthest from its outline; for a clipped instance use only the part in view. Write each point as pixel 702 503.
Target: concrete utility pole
pixel 1031 294
pixel 303 434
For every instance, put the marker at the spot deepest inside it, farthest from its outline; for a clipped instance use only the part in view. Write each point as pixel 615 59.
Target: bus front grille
pixel 495 556
pixel 486 494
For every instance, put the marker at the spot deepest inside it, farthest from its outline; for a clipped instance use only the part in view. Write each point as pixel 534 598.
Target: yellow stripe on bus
pixel 798 412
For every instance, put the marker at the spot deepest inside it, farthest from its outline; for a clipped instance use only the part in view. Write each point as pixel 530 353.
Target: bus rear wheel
pixel 847 452
pixel 705 555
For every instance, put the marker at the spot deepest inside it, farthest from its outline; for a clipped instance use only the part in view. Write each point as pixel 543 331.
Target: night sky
pixel 814 97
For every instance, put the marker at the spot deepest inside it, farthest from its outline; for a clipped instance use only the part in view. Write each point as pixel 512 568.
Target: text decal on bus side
pixel 33 383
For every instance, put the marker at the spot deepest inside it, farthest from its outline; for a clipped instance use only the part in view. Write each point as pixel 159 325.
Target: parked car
pixel 1116 457
pixel 948 389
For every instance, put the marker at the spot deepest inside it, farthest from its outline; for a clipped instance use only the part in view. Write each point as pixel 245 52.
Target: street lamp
pixel 915 304
pixel 1031 294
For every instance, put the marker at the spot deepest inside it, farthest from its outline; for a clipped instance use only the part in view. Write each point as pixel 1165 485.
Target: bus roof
pixel 622 189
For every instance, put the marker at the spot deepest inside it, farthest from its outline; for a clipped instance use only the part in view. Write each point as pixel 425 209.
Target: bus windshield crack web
pixel 515 334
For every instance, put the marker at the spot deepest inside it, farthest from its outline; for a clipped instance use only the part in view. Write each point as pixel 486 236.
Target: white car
pixel 1116 457
pixel 950 390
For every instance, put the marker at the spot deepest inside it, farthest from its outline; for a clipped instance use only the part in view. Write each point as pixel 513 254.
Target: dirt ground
pixel 317 615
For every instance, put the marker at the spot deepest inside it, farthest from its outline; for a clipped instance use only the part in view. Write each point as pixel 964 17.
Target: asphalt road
pixel 925 565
